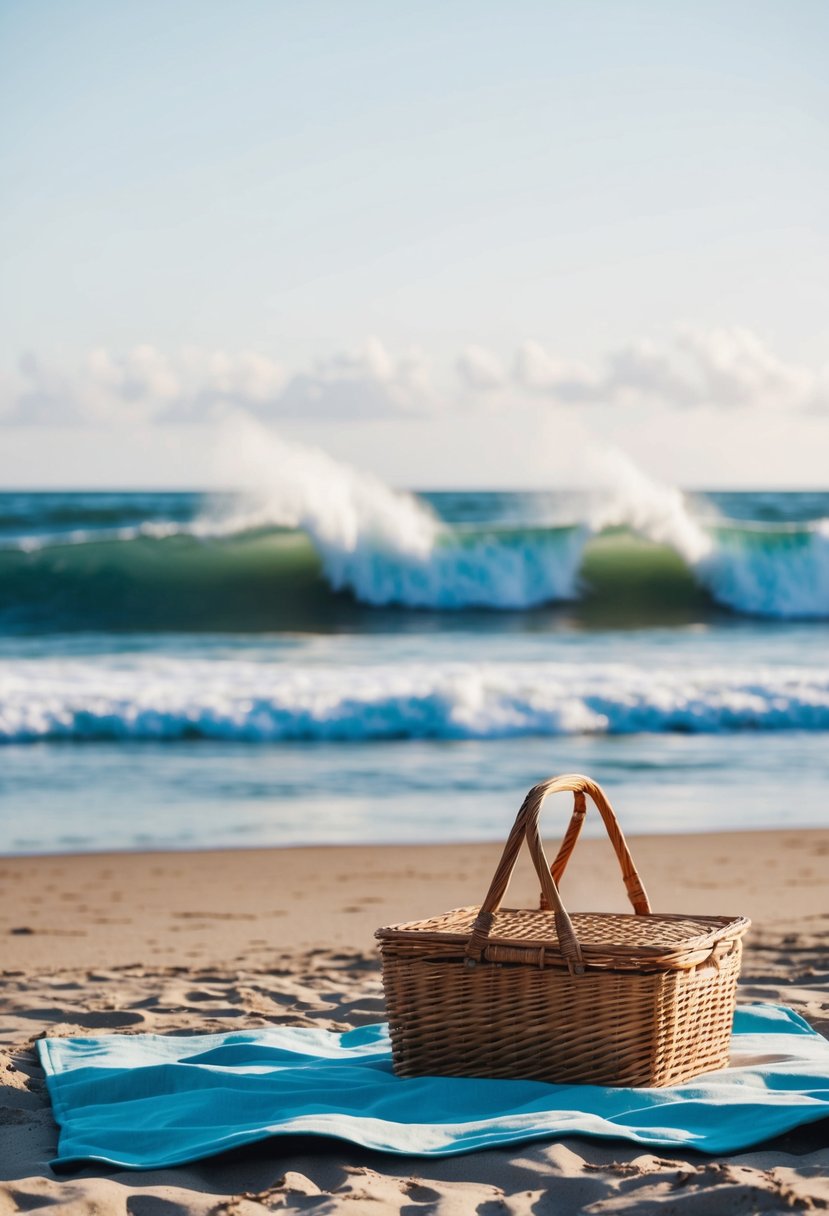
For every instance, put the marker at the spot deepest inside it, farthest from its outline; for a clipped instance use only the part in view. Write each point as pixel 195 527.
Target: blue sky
pixel 448 241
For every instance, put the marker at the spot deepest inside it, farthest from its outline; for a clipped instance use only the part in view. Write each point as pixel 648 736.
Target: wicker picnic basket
pixel 600 998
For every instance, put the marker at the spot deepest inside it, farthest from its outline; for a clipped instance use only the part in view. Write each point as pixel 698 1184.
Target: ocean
pixel 333 661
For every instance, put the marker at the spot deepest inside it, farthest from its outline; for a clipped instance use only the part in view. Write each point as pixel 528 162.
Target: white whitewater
pixel 385 545
pixel 164 698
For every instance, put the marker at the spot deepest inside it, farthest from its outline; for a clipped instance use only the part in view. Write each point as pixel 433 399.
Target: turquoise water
pixel 178 670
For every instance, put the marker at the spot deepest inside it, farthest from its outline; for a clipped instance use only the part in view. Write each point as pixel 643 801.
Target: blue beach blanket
pixel 146 1101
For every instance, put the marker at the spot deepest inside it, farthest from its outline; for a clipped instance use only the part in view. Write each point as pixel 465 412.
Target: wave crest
pixel 175 699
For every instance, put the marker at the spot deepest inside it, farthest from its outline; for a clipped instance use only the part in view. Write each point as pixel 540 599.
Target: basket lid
pixel 609 940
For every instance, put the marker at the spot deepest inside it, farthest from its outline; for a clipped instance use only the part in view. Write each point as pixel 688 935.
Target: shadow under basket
pixel 599 998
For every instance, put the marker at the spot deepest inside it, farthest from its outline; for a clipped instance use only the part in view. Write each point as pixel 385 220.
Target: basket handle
pixel 526 828
pixel 567 845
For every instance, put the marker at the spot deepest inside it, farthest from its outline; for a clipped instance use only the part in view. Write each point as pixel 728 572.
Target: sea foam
pixel 166 698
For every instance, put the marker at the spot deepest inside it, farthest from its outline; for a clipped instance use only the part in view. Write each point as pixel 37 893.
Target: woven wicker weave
pixel 606 999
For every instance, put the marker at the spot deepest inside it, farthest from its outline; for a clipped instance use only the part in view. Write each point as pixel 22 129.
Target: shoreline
pixel 210 941
pixel 444 843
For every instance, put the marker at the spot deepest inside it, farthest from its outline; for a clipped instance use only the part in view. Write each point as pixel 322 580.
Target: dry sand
pixel 212 941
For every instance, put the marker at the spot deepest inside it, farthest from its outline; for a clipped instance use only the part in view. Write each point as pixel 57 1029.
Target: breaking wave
pixel 321 539
pixel 169 699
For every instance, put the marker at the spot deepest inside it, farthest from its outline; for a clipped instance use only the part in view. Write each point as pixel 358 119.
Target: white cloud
pixel 139 386
pixel 537 371
pixel 49 394
pixel 247 377
pixel 735 368
pixel 37 394
pixel 480 370
pixel 713 369
pixel 368 382
pixel 147 385
pixel 720 368
pixel 643 369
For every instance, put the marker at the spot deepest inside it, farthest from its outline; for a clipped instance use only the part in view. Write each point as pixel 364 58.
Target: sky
pixel 455 243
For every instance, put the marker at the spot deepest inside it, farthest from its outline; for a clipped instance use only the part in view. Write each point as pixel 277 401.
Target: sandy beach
pixel 134 943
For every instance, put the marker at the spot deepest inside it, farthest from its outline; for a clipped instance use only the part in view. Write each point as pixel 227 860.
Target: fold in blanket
pixel 146 1101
